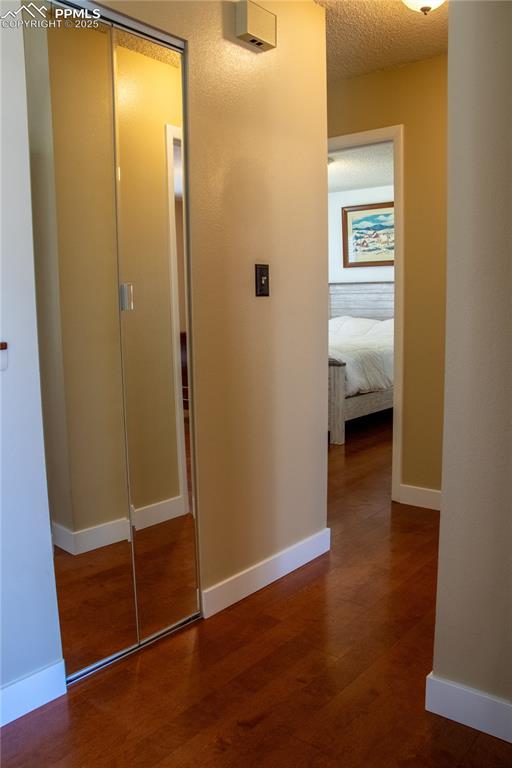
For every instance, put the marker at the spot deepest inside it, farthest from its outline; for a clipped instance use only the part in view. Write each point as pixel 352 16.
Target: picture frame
pixel 368 235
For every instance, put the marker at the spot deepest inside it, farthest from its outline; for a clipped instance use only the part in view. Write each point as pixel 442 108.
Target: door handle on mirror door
pixel 126 297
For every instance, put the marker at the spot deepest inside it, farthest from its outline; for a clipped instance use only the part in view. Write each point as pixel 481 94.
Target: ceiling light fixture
pixel 423 6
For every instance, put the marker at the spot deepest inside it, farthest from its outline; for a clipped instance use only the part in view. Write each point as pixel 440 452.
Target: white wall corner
pixel 415 496
pixel 469 706
pixel 22 696
pixel 244 583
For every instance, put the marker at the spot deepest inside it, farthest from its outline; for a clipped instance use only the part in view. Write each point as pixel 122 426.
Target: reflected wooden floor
pixel 96 603
pixel 165 569
pixel 96 596
pixel 323 669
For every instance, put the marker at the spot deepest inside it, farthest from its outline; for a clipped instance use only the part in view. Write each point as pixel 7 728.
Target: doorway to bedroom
pixel 365 307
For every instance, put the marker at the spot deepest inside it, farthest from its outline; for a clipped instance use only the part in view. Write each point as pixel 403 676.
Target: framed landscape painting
pixel 368 235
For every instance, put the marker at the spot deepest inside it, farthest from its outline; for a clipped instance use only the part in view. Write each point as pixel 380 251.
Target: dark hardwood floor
pixel 323 669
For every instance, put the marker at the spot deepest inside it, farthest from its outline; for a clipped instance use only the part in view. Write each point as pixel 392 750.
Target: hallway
pixel 323 669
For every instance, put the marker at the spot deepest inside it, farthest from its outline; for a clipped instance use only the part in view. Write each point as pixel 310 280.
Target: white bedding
pixel 366 346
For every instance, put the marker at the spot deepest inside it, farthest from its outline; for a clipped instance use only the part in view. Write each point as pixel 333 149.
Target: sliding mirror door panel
pixel 105 124
pixel 149 120
pixel 71 116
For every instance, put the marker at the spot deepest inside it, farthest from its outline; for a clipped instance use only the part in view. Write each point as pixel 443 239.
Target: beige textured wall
pixel 88 338
pixel 46 263
pixel 76 263
pixel 148 96
pixel 473 642
pixel 414 95
pixel 258 184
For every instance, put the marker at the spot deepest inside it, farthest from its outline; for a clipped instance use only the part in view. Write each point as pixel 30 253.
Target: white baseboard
pixel 87 539
pixel 261 574
pixel 159 512
pixel 78 542
pixel 429 498
pixel 30 692
pixel 470 707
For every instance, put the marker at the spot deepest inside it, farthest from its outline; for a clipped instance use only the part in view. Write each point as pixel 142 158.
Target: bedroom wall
pixel 415 96
pixel 337 201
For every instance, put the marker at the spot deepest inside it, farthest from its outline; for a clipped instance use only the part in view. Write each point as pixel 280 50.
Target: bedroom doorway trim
pixel 394 133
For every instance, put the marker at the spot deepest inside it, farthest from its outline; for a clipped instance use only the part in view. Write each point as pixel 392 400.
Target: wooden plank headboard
pixel 374 300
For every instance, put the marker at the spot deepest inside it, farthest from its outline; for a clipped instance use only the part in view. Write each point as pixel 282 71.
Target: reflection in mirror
pixel 149 120
pixel 105 123
pixel 71 120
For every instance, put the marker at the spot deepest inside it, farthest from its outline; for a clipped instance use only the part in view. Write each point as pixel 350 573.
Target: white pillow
pixel 383 328
pixel 351 326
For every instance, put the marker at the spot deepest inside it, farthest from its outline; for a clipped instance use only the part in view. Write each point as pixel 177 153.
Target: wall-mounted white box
pixel 255 25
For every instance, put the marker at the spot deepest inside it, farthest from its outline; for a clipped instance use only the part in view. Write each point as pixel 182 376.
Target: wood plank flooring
pixel 323 669
pixel 165 569
pixel 96 603
pixel 96 595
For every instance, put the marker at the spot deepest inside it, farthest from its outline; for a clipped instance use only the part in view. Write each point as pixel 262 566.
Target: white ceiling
pixel 361 167
pixel 367 35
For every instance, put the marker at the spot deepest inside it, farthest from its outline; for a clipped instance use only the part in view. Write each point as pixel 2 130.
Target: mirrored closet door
pixel 149 114
pixel 106 138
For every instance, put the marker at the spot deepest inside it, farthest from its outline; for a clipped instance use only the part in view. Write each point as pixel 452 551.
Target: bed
pixel 360 352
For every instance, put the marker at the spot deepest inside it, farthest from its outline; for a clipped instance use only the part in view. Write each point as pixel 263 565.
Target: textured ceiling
pixel 367 35
pixel 361 167
pixel 147 48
